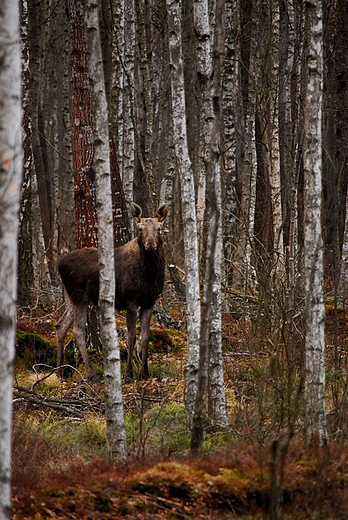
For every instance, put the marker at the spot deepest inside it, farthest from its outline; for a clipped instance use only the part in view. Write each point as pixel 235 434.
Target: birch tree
pixel 217 411
pixel 204 76
pixel 123 94
pixel 315 420
pixel 112 362
pixel 188 202
pixel 213 257
pixel 10 184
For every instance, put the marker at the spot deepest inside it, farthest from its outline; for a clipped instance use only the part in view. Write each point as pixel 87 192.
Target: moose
pixel 139 277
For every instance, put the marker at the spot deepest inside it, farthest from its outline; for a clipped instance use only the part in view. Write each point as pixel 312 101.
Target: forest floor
pixel 256 468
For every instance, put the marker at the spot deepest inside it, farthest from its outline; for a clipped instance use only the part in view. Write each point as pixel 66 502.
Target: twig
pixel 168 505
pixel 54 369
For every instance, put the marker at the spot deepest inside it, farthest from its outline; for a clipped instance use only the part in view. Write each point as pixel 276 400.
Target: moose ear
pixel 162 212
pixel 136 212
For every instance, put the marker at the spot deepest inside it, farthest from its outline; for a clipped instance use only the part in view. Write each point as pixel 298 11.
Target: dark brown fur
pixel 139 273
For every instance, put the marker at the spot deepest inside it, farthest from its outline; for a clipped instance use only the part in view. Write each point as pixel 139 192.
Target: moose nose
pixel 150 246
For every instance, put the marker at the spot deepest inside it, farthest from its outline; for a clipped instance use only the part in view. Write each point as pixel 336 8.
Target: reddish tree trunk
pixel 82 128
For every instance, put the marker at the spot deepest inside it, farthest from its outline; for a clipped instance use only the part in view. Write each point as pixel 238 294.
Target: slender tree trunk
pixel 112 361
pixel 10 189
pixel 25 239
pixel 35 37
pixel 147 163
pixel 217 410
pixel 284 166
pixel 117 82
pixel 204 77
pixel 213 213
pixel 315 424
pixel 127 114
pixel 242 273
pixel 188 202
pixel 264 210
pixel 231 200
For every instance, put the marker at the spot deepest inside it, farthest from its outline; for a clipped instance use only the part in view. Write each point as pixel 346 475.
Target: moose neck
pixel 152 259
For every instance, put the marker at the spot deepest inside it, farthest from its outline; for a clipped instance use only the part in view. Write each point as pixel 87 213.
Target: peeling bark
pixel 106 303
pixel 188 203
pixel 315 408
pixel 10 189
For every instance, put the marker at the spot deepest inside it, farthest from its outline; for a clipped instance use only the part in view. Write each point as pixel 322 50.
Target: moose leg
pixel 80 321
pixel 131 329
pixel 145 317
pixel 62 327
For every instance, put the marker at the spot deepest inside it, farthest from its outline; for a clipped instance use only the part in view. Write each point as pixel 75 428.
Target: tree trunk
pixel 10 189
pixel 335 135
pixel 35 37
pixel 231 200
pixel 25 239
pixel 213 214
pixel 82 128
pixel 112 361
pixel 127 114
pixel 217 411
pixel 264 210
pixel 315 423
pixel 145 127
pixel 188 202
pixel 204 80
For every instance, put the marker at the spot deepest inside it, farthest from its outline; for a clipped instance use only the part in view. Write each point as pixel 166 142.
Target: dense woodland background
pixel 261 144
pixel 261 149
pixel 261 139
pixel 250 74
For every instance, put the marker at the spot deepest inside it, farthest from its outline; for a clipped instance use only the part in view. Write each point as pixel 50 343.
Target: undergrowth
pixel 54 452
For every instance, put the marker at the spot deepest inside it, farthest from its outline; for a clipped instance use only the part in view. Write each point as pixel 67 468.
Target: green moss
pixel 168 478
pixel 230 482
pixel 32 348
pixel 215 440
pixel 167 341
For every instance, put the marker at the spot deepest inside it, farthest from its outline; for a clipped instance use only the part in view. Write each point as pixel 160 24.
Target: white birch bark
pixel 112 361
pixel 10 188
pixel 315 420
pixel 210 82
pixel 211 304
pixel 202 30
pixel 217 410
pixel 274 172
pixel 117 89
pixel 188 202
pixel 204 71
pixel 127 114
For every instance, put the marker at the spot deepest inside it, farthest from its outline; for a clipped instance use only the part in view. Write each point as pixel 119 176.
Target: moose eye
pixel 159 230
pixel 140 230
